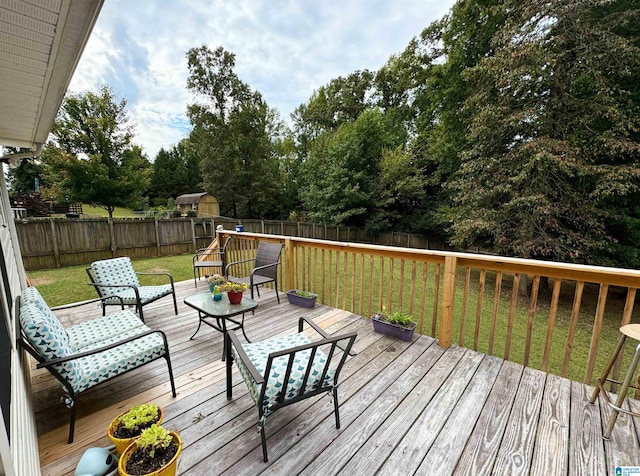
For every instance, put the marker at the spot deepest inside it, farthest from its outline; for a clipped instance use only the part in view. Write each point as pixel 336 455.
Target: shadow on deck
pixel 406 407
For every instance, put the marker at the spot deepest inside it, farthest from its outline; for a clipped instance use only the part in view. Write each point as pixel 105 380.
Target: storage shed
pixel 203 204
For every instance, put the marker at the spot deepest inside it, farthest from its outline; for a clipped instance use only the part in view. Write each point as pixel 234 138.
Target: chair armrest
pixel 265 266
pixel 242 355
pixel 82 303
pixel 234 263
pixel 157 274
pixel 79 355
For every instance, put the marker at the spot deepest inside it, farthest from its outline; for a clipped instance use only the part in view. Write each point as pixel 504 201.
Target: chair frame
pixel 256 269
pixel 139 302
pixel 70 399
pixel 333 341
pixel 199 263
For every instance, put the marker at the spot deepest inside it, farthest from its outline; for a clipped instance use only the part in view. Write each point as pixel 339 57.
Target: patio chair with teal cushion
pixel 287 369
pixel 265 268
pixel 89 353
pixel 117 282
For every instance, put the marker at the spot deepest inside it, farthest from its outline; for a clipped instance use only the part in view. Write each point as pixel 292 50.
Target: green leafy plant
pixel 232 287
pixel 139 416
pixel 396 317
pixel 154 438
pixel 304 294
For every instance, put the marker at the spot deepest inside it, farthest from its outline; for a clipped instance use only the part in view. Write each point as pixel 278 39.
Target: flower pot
pixel 168 469
pixel 394 330
pixel 304 301
pixel 122 443
pixel 239 228
pixel 235 297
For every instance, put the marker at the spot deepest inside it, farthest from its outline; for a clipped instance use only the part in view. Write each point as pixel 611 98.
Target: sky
pixel 284 49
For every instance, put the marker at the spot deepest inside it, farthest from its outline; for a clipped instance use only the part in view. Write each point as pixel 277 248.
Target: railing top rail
pixel 577 272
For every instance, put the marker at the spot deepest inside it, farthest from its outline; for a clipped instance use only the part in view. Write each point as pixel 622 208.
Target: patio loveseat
pixel 89 353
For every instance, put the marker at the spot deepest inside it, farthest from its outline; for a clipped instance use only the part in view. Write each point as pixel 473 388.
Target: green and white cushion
pixel 120 271
pixel 49 338
pixel 258 353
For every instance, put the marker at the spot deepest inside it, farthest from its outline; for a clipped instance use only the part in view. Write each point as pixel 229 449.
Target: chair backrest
pixel 113 271
pixel 268 253
pixel 223 254
pixel 43 336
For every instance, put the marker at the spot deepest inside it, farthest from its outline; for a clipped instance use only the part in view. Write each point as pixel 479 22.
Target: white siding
pixel 24 457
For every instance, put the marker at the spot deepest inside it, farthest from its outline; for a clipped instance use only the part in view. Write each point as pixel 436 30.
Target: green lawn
pixel 65 285
pixel 119 212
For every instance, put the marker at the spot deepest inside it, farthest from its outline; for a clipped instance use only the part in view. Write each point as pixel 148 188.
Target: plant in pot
pixel 395 324
pixel 233 290
pixel 301 298
pixel 127 426
pixel 155 452
pixel 215 281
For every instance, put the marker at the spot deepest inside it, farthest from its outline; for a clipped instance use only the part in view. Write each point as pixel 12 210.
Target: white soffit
pixel 40 44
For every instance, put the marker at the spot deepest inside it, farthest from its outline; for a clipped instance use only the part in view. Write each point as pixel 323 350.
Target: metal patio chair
pixel 209 258
pixel 287 369
pixel 117 282
pixel 265 267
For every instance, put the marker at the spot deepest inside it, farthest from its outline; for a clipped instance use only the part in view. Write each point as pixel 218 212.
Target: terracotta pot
pixel 235 297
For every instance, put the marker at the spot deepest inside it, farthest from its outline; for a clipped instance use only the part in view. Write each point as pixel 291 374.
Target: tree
pixel 91 158
pixel 343 167
pixel 22 179
pixel 555 131
pixel 176 171
pixel 232 135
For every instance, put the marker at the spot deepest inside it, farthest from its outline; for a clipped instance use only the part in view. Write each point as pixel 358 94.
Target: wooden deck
pixel 406 408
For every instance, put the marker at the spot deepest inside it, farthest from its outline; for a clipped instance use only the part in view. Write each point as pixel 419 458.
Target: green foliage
pixel 154 438
pixel 139 416
pixel 176 171
pixel 396 317
pixel 21 179
pixel 232 135
pixel 304 294
pixel 91 159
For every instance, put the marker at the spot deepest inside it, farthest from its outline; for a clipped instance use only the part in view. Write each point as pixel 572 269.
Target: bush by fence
pixel 51 243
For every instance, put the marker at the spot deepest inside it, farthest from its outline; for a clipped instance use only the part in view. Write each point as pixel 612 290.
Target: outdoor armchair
pixel 265 267
pixel 116 281
pixel 87 354
pixel 209 258
pixel 287 369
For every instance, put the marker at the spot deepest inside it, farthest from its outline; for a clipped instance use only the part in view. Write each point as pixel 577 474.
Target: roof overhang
pixel 40 45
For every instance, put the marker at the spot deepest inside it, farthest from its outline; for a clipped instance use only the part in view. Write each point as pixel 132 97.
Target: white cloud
pixel 285 49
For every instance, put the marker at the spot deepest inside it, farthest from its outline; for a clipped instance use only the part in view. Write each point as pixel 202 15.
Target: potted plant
pixel 215 281
pixel 155 452
pixel 396 324
pixel 233 290
pixel 127 426
pixel 301 298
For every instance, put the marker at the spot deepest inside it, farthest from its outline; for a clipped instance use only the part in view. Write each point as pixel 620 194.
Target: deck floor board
pixel 405 407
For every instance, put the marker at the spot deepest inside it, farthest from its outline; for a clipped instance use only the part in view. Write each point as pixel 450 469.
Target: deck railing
pixel 557 317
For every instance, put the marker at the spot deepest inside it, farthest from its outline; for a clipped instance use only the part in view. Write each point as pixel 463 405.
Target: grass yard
pixel 92 212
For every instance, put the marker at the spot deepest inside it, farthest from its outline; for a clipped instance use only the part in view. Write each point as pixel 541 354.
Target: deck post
pixel 289 268
pixel 448 296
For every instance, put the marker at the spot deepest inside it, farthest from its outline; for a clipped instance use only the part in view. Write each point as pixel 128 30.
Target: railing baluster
pixel 413 286
pixel 381 279
pixel 436 300
pixel 324 269
pixel 465 299
pixel 390 286
pixel 369 312
pixel 448 298
pixel 551 323
pixel 425 271
pixel 401 287
pixel 595 336
pixel 532 311
pixel 494 312
pixel 483 276
pixel 512 314
pixel 575 313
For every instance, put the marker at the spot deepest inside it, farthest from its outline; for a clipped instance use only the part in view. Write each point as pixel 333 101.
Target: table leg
pixel 199 324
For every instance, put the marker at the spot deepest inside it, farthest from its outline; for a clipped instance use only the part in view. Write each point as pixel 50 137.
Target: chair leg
pixel 605 373
pixel 195 283
pixel 72 422
pixel 263 438
pixel 277 295
pixel 335 407
pixel 622 393
pixel 175 303
pixel 229 362
pixel 173 385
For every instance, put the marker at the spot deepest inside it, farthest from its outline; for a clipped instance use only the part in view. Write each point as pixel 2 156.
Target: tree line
pixel 506 125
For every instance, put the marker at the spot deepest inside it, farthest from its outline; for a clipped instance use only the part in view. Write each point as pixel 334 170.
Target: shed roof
pixel 189 198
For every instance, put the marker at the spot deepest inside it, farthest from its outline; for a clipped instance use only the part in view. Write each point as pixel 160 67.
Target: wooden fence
pixel 50 243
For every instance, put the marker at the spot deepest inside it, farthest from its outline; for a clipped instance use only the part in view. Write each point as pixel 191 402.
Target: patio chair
pixel 86 354
pixel 209 258
pixel 265 268
pixel 287 369
pixel 116 281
